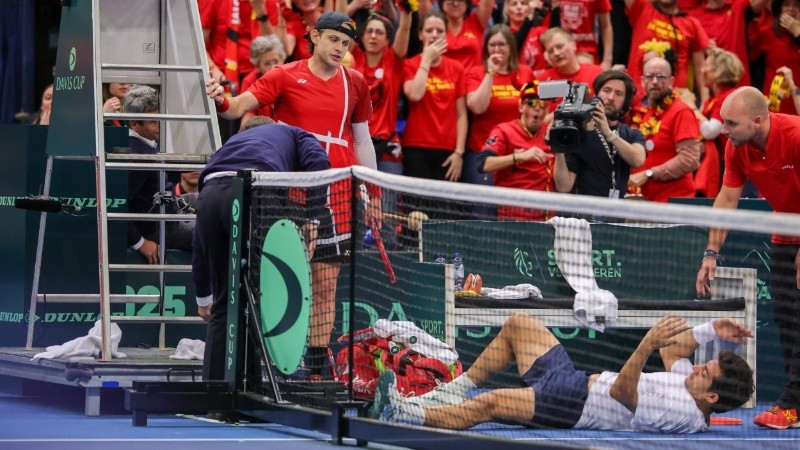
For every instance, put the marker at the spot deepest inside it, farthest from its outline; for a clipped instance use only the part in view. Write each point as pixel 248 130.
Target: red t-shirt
pixel 467 46
pixel 586 74
pixel 215 15
pixel 319 106
pixel 531 53
pixel 431 122
pixel 778 51
pixel 677 123
pixel 384 82
pixel 297 28
pixel 775 173
pixel 684 34
pixel 503 104
pixel 508 138
pixel 726 26
pixel 578 16
pixel 248 81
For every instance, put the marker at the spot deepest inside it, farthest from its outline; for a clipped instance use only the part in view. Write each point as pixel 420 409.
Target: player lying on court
pixel 557 395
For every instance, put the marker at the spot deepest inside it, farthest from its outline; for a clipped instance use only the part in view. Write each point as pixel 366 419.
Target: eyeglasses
pixel 497 44
pixel 535 103
pixel 455 2
pixel 660 77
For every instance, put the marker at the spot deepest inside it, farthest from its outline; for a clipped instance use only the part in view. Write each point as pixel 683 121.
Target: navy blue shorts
pixel 561 390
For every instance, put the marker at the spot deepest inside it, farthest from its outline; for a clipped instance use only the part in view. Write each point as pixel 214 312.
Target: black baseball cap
pixel 337 21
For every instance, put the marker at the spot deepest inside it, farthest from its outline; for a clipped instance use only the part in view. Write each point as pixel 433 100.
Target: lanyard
pixel 611 155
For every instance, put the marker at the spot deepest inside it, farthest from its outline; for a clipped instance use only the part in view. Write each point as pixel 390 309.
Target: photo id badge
pixel 613 193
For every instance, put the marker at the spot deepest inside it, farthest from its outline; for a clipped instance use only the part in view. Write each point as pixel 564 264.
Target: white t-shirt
pixel 665 406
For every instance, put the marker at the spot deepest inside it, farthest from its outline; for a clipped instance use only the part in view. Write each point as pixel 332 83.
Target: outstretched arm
pixel 663 334
pixel 688 341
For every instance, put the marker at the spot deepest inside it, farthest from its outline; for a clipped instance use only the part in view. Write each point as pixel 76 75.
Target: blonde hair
pixel 728 68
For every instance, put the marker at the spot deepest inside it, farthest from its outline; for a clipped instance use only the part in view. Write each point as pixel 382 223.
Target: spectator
pixel 663 21
pixel 266 52
pixel 559 45
pixel 518 154
pixel 610 148
pixel 794 91
pixel 579 16
pixel 436 129
pixel 113 96
pixel 528 20
pixel 671 138
pixel 382 67
pixel 492 95
pixel 465 28
pixel 777 40
pixel 227 38
pixel 722 72
pixel 725 23
pixel 143 236
pixel 42 117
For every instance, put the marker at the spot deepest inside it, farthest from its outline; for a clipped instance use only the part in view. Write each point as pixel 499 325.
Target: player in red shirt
pixel 671 138
pixel 578 16
pixel 765 148
pixel 662 20
pixel 464 28
pixel 517 153
pixel 332 102
pixel 492 95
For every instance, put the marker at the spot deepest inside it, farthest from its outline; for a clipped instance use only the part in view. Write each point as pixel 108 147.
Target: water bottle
pixel 440 259
pixel 458 269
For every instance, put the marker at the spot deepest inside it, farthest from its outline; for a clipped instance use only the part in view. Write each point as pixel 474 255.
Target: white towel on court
pixel 402 331
pixel 520 291
pixel 89 345
pixel 189 349
pixel 593 306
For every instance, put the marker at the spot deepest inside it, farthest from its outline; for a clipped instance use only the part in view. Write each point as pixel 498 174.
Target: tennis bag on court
pixel 373 354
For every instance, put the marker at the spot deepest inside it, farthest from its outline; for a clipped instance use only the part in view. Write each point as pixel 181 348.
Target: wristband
pixel 425 69
pixel 262 18
pixel 222 107
pixel 796 91
pixel 704 333
pixel 514 158
pixel 712 254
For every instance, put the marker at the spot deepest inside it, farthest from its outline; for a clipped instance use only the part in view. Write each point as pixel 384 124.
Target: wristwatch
pixel 262 18
pixel 648 173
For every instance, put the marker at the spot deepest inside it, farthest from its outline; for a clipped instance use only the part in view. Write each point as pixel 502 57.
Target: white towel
pixel 89 345
pixel 402 331
pixel 593 306
pixel 520 291
pixel 189 349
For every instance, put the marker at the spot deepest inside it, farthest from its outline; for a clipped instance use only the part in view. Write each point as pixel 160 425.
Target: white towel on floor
pixel 89 345
pixel 520 291
pixel 402 331
pixel 593 306
pixel 189 349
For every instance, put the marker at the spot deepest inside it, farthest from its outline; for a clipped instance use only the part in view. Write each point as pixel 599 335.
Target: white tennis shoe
pixel 444 395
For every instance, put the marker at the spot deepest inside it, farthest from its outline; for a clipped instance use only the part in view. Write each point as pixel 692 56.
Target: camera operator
pixel 609 149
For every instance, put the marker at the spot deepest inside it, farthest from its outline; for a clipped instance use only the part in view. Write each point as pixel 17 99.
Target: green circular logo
pixel 72 59
pixel 235 210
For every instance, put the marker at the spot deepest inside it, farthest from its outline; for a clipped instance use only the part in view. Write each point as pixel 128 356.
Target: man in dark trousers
pixel 266 147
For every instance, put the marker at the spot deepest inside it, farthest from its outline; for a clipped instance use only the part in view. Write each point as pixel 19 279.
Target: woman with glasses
pixel 492 95
pixel 465 27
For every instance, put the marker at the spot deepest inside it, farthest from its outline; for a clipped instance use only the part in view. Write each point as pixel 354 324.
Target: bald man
pixel 765 147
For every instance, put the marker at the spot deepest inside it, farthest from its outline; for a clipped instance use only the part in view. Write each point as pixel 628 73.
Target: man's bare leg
pixel 522 339
pixel 323 312
pixel 507 405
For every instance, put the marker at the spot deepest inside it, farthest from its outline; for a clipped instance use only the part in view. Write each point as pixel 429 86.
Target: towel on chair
pixel 593 306
pixel 189 349
pixel 403 332
pixel 520 291
pixel 89 345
